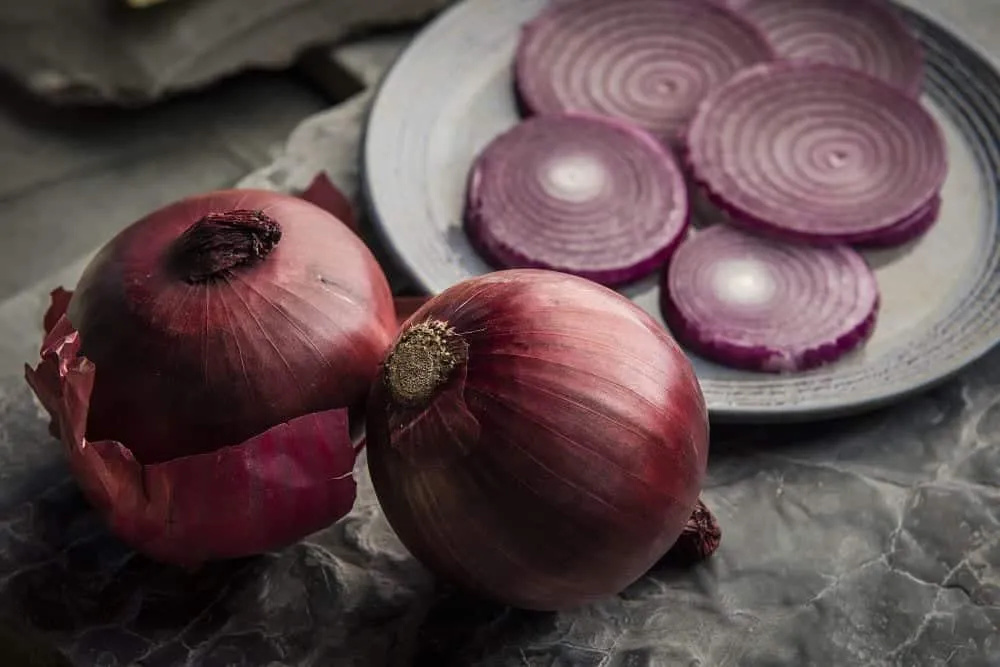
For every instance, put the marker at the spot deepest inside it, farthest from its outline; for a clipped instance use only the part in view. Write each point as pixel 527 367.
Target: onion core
pixel 519 449
pixel 817 153
pixel 583 195
pixel 648 62
pixel 753 303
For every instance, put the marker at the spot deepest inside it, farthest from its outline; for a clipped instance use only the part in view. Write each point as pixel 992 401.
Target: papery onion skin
pixel 201 378
pixel 793 307
pixel 866 35
pixel 580 194
pixel 545 442
pixel 648 62
pixel 323 193
pixel 746 150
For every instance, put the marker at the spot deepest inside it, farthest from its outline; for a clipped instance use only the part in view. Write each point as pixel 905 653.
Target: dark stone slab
pixel 102 52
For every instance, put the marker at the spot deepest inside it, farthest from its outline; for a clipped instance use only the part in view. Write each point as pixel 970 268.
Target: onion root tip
pixel 421 361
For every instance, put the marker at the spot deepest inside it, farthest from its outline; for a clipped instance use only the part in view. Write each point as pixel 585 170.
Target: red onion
pixel 584 195
pixel 538 439
pixel 817 153
pixel 758 304
pixel 866 35
pixel 201 378
pixel 323 193
pixel 649 62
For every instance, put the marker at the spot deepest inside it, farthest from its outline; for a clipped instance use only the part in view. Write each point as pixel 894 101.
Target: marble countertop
pixel 868 541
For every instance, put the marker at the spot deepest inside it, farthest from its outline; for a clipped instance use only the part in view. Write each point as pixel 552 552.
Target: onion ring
pixel 758 304
pixel 816 152
pixel 649 62
pixel 586 195
pixel 866 35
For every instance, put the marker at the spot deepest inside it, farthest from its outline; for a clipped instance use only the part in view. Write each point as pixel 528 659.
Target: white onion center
pixel 743 282
pixel 574 178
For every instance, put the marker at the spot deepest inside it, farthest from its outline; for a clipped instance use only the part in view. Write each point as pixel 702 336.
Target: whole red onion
pixel 538 438
pixel 201 377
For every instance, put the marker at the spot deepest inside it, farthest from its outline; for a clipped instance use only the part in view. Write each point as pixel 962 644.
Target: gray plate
pixel 450 94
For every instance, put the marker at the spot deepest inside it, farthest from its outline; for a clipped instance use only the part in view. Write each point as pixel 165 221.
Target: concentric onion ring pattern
pixel 584 195
pixel 762 305
pixel 865 35
pixel 816 151
pixel 646 61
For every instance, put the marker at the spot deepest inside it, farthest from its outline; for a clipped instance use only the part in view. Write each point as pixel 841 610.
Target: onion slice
pixel 584 195
pixel 905 230
pixel 649 62
pixel 758 304
pixel 817 153
pixel 866 35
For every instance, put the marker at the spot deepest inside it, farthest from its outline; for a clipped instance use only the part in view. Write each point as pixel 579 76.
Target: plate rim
pixel 761 414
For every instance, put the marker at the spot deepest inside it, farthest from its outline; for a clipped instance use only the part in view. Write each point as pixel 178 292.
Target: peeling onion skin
pixel 561 456
pixel 769 149
pixel 270 491
pixel 866 35
pixel 648 62
pixel 201 366
pixel 590 196
pixel 204 417
pixel 752 303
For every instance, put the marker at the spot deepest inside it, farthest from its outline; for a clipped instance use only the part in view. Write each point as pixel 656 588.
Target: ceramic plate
pixel 451 92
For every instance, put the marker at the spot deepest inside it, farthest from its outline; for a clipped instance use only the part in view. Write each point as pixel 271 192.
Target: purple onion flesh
pixel 649 62
pixel 585 195
pixel 754 303
pixel 866 35
pixel 818 153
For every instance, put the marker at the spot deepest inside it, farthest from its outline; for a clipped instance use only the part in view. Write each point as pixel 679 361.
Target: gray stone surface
pixel 69 180
pixel 100 51
pixel 870 541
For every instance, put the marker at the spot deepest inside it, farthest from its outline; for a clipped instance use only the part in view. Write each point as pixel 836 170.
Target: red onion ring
pixel 584 195
pixel 865 35
pixel 906 230
pixel 816 152
pixel 649 62
pixel 753 303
